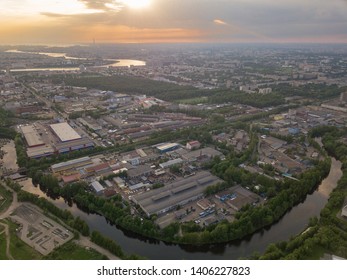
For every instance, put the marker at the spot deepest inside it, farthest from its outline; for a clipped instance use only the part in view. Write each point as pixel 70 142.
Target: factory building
pixel 167 147
pixel 178 193
pixel 32 137
pixel 139 171
pixel 202 154
pixel 75 163
pixel 40 151
pixel 170 163
pixel 64 132
pixel 74 145
pixel 97 187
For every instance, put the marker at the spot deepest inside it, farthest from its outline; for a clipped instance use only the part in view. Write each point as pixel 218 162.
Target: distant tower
pixel 94 41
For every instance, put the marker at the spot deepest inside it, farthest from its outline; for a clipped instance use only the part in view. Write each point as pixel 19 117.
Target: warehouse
pixel 40 151
pixel 181 192
pixel 168 147
pixel 74 145
pixel 202 154
pixel 97 187
pixel 171 163
pixel 64 132
pixel 139 171
pixel 75 163
pixel 31 136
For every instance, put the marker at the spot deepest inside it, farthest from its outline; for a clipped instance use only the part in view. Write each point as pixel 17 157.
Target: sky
pixel 170 21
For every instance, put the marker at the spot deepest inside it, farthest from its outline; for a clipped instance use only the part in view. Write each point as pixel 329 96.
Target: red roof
pixel 98 167
pixel 71 178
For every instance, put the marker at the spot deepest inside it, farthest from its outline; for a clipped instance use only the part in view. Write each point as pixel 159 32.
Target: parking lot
pixel 39 231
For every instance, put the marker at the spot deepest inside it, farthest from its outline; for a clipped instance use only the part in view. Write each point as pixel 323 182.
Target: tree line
pixel 328 234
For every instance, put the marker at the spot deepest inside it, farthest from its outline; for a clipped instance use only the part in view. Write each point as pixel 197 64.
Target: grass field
pixel 18 248
pixel 5 198
pixel 72 251
pixel 2 245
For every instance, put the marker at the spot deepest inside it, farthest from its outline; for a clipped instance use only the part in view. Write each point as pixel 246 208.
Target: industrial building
pixel 119 182
pixel 97 187
pixel 237 197
pixel 171 163
pixel 40 151
pixel 74 145
pixel 167 147
pixel 64 132
pixel 75 163
pixel 193 145
pixel 139 171
pixel 32 137
pixel 181 192
pixel 201 154
pixel 274 143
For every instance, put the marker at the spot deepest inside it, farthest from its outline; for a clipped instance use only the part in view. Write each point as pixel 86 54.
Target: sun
pixel 137 4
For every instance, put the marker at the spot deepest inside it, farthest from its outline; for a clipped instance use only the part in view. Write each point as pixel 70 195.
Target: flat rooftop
pixel 65 132
pixel 73 143
pixel 78 161
pixel 209 152
pixel 40 151
pixel 156 201
pixel 167 146
pixel 32 137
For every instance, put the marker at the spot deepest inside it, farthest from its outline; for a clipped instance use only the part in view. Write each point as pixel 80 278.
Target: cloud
pixel 220 22
pixel 198 20
pixel 53 15
pixel 104 5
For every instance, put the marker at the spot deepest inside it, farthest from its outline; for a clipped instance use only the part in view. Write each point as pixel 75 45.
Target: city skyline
pixel 159 21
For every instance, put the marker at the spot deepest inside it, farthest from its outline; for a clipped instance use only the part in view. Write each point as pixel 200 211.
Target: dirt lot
pixel 39 231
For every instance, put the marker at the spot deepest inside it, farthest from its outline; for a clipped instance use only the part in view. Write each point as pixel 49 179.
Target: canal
pixel 292 223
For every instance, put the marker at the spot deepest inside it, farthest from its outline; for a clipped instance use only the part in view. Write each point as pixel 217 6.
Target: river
pixel 292 223
pixel 113 62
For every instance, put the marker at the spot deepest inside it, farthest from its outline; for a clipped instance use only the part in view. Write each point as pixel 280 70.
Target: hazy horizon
pixel 52 22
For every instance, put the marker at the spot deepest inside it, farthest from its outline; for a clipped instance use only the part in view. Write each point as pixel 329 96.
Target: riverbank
pixel 292 223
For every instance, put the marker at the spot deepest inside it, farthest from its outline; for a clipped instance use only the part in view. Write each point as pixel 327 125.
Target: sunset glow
pixel 137 4
pixel 121 21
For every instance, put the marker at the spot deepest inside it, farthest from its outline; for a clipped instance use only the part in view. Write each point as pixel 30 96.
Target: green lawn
pixel 19 249
pixel 72 251
pixel 2 245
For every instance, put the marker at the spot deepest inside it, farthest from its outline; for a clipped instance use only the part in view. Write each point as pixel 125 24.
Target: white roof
pixel 65 132
pixel 97 186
